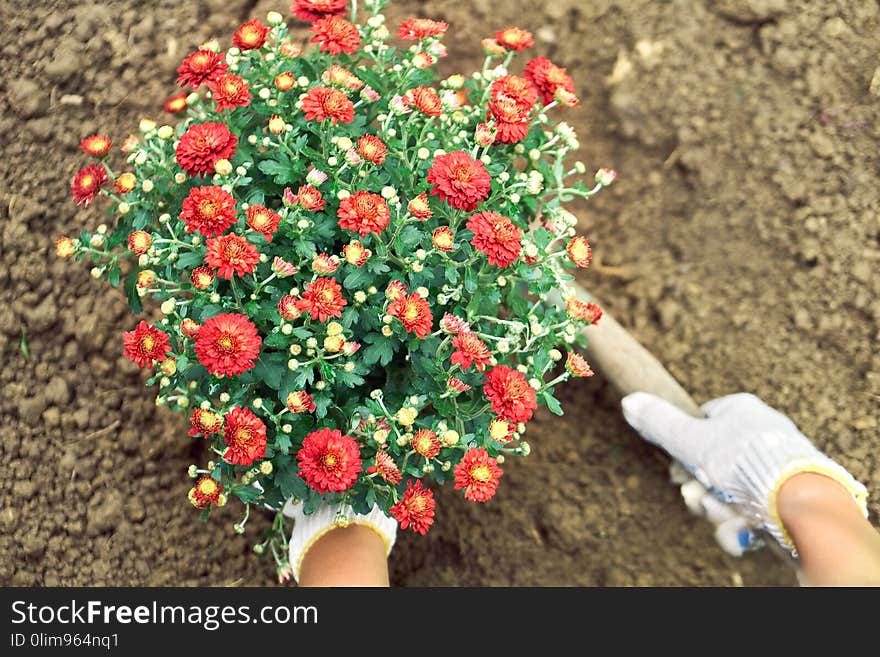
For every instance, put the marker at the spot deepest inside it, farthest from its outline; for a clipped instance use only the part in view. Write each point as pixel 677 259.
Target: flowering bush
pixel 356 263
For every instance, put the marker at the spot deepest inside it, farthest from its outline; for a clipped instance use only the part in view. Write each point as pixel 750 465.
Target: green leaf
pixel 248 494
pixel 269 373
pixel 287 480
pixel 189 259
pixel 130 286
pixel 552 403
pixel 357 279
pixel 380 351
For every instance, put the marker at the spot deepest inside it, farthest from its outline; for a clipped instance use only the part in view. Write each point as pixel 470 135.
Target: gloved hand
pixel 740 455
pixel 307 529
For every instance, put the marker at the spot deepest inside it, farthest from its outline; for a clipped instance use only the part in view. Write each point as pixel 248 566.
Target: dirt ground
pixel 740 244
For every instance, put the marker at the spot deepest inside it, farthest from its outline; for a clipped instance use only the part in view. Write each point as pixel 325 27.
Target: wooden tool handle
pixel 630 367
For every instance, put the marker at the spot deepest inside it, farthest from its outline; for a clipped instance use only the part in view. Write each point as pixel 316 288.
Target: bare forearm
pixel 350 556
pixel 836 544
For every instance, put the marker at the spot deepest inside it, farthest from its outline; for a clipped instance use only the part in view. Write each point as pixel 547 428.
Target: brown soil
pixel 740 244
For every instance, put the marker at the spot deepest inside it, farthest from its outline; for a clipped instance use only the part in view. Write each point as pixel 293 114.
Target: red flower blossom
pixel 386 467
pixel 96 145
pixel 416 509
pixel 469 350
pixel 371 148
pixel 329 461
pixel 312 10
pixel 324 263
pixel 578 366
pixel 208 210
pixel 204 422
pixel 176 104
pixel 579 251
pixel 202 145
pixel 454 325
pixel 230 91
pixel 65 247
pixel 416 29
pixel 287 307
pixel 231 254
pixel 145 344
pixel 322 299
pixel 586 312
pixel 251 35
pixel 201 277
pixel 245 436
pixel 299 401
pixel 443 238
pixel 460 180
pixel 206 491
pixel 521 90
pixel 395 290
pixel 496 236
pixel 425 100
pixel 87 183
pixel 336 35
pixel 514 38
pixel 263 220
pixel 457 385
pixel 327 103
pixel 355 253
pixel 420 208
pixel 414 312
pixel 548 77
pixel 511 396
pixel 511 120
pixel 139 242
pixel 478 473
pixel 310 198
pixel 341 77
pixel 228 344
pixel 200 67
pixel 125 182
pixel 190 327
pixel 363 213
pixel 426 443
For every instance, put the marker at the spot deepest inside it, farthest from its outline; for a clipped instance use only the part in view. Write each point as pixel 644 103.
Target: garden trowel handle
pixel 624 362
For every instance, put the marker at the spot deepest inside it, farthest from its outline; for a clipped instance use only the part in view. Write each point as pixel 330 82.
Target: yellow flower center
pixel 226 343
pixel 481 473
pixel 148 342
pixel 329 460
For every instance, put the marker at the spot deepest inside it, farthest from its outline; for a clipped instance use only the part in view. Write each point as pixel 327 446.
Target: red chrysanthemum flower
pixel 454 325
pixel 323 103
pixel 200 67
pixel 204 422
pixel 478 473
pixel 416 29
pixel 548 77
pixel 586 312
pixel 206 491
pixel 125 182
pixel 324 263
pixel 519 89
pixel 469 350
pixel 202 145
pixel 460 180
pixel 511 120
pixel 329 461
pixel 176 104
pixel 511 396
pixel 230 91
pixel 416 509
pixel 96 145
pixel 190 328
pixel 312 10
pixel 514 38
pixel 228 344
pixel 263 220
pixel 579 251
pixel 310 198
pixel 578 366
pixel 443 238
pixel 426 443
pixel 322 299
pixel 245 436
pixel 231 254
pixel 395 290
pixel 457 385
pixel 139 242
pixel 87 183
pixel 145 344
pixel 201 277
pixel 496 236
pixel 420 208
pixel 336 35
pixel 386 467
pixel 146 278
pixel 425 100
pixel 251 35
pixel 414 313
pixel 500 430
pixel 287 307
pixel 341 77
pixel 363 213
pixel 299 401
pixel 371 148
pixel 65 246
pixel 208 210
pixel 355 253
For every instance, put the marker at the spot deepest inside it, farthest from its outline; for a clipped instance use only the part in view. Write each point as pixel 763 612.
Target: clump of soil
pixel 740 244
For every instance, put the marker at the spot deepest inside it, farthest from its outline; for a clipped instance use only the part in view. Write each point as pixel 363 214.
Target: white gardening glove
pixel 307 529
pixel 741 453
